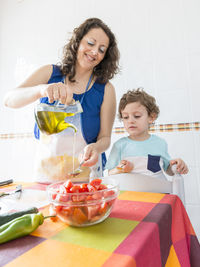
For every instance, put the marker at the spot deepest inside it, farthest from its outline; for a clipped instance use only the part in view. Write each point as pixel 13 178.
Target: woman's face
pixel 92 48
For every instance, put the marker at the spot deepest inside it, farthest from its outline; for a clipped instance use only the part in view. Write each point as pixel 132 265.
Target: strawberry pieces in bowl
pixel 83 204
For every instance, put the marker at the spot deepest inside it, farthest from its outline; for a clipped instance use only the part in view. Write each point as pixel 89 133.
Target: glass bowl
pixel 86 203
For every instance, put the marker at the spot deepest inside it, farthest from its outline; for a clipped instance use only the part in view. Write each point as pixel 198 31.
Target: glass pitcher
pixel 52 119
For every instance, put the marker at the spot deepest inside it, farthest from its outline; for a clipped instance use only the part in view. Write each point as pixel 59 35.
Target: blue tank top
pixel 91 104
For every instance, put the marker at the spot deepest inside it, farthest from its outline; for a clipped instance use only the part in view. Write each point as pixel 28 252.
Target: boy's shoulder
pixel 157 138
pixel 121 141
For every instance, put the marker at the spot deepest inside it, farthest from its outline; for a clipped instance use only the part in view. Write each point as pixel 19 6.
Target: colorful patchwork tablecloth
pixel 143 230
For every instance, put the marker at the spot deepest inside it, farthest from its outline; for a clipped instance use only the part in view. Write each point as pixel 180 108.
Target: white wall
pixel 159 42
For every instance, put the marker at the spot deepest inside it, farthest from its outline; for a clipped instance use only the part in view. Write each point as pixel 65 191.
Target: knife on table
pixel 17 190
pixel 6 182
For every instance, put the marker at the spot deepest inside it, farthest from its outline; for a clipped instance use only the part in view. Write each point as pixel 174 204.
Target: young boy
pixel 141 152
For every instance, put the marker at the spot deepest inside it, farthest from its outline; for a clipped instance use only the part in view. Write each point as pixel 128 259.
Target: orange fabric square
pixel 53 253
pixel 120 261
pixel 49 228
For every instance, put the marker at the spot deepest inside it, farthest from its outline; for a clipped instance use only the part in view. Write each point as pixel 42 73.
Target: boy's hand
pixel 125 166
pixel 181 166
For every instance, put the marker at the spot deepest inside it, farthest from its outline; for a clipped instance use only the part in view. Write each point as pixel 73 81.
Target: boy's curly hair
pixel 139 95
pixel 107 68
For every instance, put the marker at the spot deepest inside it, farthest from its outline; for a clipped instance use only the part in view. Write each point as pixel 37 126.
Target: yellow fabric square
pixel 141 196
pixel 172 260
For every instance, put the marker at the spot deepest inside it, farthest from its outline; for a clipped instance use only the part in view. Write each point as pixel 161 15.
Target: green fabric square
pixel 104 236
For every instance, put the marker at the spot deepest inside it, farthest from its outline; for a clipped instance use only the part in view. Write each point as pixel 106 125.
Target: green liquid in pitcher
pixel 50 122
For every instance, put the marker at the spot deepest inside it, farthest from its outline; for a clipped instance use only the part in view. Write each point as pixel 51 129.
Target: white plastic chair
pixel 145 183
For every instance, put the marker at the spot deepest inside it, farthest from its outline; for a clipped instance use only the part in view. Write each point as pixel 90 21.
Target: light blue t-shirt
pixel 149 157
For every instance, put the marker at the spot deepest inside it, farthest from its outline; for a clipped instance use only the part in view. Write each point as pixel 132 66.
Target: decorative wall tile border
pixel 188 126
pixel 16 135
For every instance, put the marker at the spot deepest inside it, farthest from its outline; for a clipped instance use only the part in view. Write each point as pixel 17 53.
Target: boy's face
pixel 136 121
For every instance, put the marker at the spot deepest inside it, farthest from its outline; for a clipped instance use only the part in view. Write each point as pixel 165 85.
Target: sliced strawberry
pixel 103 208
pixel 97 195
pixel 96 183
pixel 62 189
pixel 62 198
pixel 79 216
pixel 75 189
pixel 83 188
pixel 54 196
pixel 108 193
pixel 102 187
pixel 93 211
pixel 68 185
pixel 91 188
pixel 89 198
pixel 78 198
pixel 57 208
pixel 111 202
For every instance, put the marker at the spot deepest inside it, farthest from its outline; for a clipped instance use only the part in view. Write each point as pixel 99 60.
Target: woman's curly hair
pixel 107 68
pixel 139 95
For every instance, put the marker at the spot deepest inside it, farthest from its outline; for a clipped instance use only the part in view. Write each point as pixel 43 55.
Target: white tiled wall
pixel 159 43
pixel 17 159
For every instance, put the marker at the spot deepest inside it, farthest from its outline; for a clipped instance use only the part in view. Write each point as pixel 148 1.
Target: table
pixel 143 230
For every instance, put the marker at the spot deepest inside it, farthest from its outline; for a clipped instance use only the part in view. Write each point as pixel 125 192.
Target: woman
pixel 90 60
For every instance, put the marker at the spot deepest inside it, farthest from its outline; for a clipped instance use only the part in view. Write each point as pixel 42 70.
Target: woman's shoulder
pixel 46 69
pixel 109 86
pixel 108 89
pixel 56 73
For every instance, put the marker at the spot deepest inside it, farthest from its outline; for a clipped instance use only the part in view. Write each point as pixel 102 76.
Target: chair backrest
pixel 144 183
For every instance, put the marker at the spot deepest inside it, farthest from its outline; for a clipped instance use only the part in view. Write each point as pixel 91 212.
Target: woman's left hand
pixel 90 155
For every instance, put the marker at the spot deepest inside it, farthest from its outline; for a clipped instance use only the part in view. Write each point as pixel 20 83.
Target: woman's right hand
pixel 57 91
pixel 35 87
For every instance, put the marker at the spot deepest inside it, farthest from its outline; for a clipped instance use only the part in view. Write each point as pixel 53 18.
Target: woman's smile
pixel 92 48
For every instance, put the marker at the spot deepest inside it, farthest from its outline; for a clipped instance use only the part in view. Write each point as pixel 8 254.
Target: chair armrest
pixel 178 184
pixel 171 170
pixel 142 183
